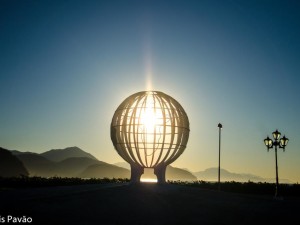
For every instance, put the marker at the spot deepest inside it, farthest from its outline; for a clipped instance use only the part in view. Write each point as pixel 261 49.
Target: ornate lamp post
pixel 281 143
pixel 220 128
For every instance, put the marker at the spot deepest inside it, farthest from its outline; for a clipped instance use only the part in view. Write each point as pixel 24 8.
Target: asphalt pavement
pixel 143 204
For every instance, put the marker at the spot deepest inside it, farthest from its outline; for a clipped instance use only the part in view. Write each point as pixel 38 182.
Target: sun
pixel 149 119
pixel 150 114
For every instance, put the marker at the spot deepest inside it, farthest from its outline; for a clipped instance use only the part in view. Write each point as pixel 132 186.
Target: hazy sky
pixel 65 66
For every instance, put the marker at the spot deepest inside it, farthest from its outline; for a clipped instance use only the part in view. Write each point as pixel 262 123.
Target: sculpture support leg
pixel 136 173
pixel 160 172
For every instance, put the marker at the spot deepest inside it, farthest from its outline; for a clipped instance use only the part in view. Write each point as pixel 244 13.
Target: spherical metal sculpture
pixel 149 130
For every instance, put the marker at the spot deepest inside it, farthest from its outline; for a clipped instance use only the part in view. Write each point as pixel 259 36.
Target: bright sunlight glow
pixel 148 180
pixel 149 119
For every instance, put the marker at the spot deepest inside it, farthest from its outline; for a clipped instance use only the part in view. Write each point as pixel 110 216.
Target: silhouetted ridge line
pixel 10 165
pixel 211 174
pixel 105 170
pixel 68 162
pixel 61 154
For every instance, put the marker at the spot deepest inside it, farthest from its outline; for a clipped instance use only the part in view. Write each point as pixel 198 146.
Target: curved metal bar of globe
pixel 163 133
pixel 170 110
pixel 154 136
pixel 124 138
pixel 120 125
pixel 116 143
pixel 120 138
pixel 180 116
pixel 133 123
pixel 147 99
pixel 179 151
pixel 181 137
pixel 122 149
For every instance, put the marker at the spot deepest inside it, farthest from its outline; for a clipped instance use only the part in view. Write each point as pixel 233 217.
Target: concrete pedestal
pixel 160 172
pixel 136 173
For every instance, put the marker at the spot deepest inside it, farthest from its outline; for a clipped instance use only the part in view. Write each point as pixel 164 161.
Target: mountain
pixel 74 166
pixel 10 165
pixel 105 170
pixel 123 165
pixel 47 164
pixel 71 167
pixel 73 162
pixel 172 173
pixel 57 155
pixel 211 174
pixel 37 165
pixel 16 152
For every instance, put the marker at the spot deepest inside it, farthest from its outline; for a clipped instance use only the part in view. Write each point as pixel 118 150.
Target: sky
pixel 65 67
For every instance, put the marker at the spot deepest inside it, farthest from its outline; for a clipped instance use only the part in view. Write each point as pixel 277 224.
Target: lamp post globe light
pixel 149 130
pixel 277 142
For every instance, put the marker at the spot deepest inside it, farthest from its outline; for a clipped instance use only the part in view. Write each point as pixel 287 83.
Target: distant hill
pixel 105 170
pixel 10 165
pixel 74 163
pixel 123 165
pixel 37 165
pixel 172 173
pixel 16 152
pixel 57 155
pixel 211 174
pixel 73 167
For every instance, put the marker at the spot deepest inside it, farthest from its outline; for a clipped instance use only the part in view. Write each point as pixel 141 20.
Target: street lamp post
pixel 281 143
pixel 219 169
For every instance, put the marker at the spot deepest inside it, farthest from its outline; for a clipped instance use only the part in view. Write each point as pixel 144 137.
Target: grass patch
pixel 245 187
pixel 28 182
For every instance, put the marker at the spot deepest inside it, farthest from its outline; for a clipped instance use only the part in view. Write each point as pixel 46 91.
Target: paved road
pixel 145 204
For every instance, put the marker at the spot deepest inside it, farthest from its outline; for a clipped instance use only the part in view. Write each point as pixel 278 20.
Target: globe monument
pixel 149 129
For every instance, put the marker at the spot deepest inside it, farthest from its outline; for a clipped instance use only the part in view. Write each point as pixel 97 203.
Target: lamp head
pixel 268 142
pixel 283 142
pixel 276 134
pixel 220 125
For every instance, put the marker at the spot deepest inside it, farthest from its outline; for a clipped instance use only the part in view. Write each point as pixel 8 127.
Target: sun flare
pixel 149 119
pixel 148 180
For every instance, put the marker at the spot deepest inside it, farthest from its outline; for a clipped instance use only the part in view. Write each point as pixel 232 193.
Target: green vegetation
pixel 245 187
pixel 28 182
